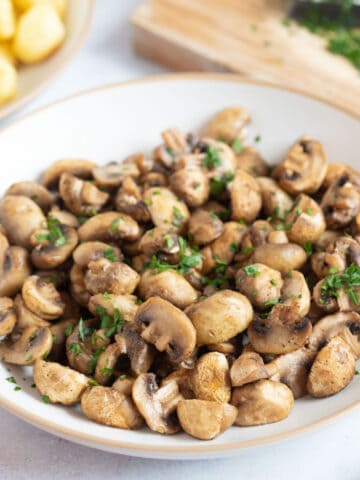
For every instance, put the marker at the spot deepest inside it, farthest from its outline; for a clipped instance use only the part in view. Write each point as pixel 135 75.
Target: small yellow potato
pixel 59 5
pixel 6 53
pixel 8 80
pixel 39 32
pixel 7 20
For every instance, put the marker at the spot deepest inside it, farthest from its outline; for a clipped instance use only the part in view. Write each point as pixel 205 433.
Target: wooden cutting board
pixel 244 36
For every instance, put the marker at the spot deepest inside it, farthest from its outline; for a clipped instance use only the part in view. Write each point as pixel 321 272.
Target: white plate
pixel 110 123
pixel 34 78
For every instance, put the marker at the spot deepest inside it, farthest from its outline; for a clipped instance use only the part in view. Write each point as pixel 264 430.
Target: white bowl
pixel 35 78
pixel 109 123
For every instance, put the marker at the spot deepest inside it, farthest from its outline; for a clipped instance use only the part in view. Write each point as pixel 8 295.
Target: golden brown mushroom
pixel 211 378
pixel 112 277
pixel 228 124
pixel 7 316
pixel 76 166
pixel 32 344
pixel 247 368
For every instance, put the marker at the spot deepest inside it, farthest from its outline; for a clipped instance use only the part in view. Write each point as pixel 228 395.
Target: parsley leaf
pixel 109 253
pixel 218 184
pixel 212 158
pixel 237 146
pixel 55 233
pixel 45 398
pixel 251 270
pixel 178 217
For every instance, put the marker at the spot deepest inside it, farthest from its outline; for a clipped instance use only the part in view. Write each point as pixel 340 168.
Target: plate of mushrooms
pixel 180 282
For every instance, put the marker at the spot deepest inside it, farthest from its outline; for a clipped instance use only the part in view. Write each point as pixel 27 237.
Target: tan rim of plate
pixel 16 104
pixel 95 440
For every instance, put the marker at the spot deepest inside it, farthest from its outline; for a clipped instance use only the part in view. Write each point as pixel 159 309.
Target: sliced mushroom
pixel 60 384
pixel 105 367
pixel 332 370
pixel 7 316
pixel 126 304
pixel 274 199
pixel 159 240
pixel 251 162
pixel 113 277
pixel 33 190
pixel 108 406
pixel 304 168
pixel 42 298
pixel 205 227
pixel 48 254
pixel 76 166
pixel 211 378
pixel 166 327
pixel 165 209
pixel 283 257
pixel 139 352
pixel 124 384
pixel 113 174
pixel 77 285
pixel 295 292
pixel 205 419
pixel 32 344
pixel 262 402
pixel 323 299
pixel 217 157
pixel 220 316
pixel 283 331
pixel 157 405
pixel 14 267
pixel 306 221
pixel 247 368
pixel 87 252
pixel 60 331
pixel 229 124
pixel 25 317
pixel 64 217
pixel 191 184
pixel 129 200
pixel 246 200
pixel 109 226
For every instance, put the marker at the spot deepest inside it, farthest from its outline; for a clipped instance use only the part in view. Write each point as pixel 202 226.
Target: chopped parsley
pixel 212 158
pixel 115 225
pixel 273 282
pixel 170 151
pixel 11 379
pixel 82 219
pixel 109 253
pixel 111 325
pixel 218 184
pixel 75 348
pixel 346 280
pixel 122 377
pixel 107 371
pixel 196 185
pixel 106 295
pixel 251 270
pixel 84 331
pixel 282 227
pixel 55 234
pixel 169 242
pixel 247 250
pixel 234 248
pixel 309 211
pixel 178 217
pixel 17 388
pixel 148 202
pixel 68 330
pixel 94 359
pixel 308 247
pixel 271 303
pixel 45 398
pixel 93 383
pixel 237 146
pixel 257 139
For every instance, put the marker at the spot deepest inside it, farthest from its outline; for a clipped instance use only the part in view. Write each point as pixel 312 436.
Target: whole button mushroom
pixel 32 344
pixel 246 200
pixel 7 316
pixel 229 124
pixel 211 379
pixel 87 252
pixel 113 174
pixel 191 184
pixel 165 209
pixel 274 199
pixel 306 221
pixel 112 277
pixel 247 368
pixel 251 162
pixel 38 193
pixel 76 166
pixel 109 226
pixel 205 227
pixel 126 304
pixel 295 292
pixel 129 200
pixel 283 257
pixel 220 317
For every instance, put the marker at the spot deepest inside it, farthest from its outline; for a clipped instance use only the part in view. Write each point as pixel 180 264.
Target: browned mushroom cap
pixel 332 370
pixel 169 285
pixel 191 184
pixel 126 304
pixel 109 226
pixel 20 216
pixel 216 156
pixel 306 220
pixel 283 331
pixel 7 316
pixel 250 160
pixel 341 201
pixel 283 257
pixel 183 378
pixel 106 364
pixel 166 327
pixel 14 267
pixel 211 378
pixel 247 368
pixel 77 285
pixel 304 168
pixel 60 384
pixel 229 124
pixel 205 419
pixel 25 317
pixel 48 254
pixel 157 405
pixel 33 343
pixel 42 298
pixel 205 227
pixel 113 174
pixel 60 331
pixel 220 317
pixel 64 217
pixel 262 402
pixel 76 166
pixel 343 324
pixel 108 406
pixel 33 190
pixel 274 199
pixel 323 262
pixel 129 200
pixel 165 209
pixel 246 200
pixel 113 277
pixel 159 240
pixel 323 299
pixel 260 284
pixel 140 353
pixel 87 252
pixel 81 197
pixel 295 292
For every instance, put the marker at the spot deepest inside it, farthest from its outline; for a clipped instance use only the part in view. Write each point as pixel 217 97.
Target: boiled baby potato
pixel 59 5
pixel 39 32
pixel 8 80
pixel 7 20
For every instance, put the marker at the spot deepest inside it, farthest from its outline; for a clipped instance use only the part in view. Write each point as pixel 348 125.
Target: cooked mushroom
pixel 165 209
pixel 32 344
pixel 246 198
pixel 205 227
pixel 20 216
pixel 105 367
pixel 25 317
pixel 166 327
pixel 205 419
pixel 129 200
pixel 220 316
pixel 217 157
pixel 58 383
pixel 184 380
pixel 49 254
pixel 283 331
pixel 109 226
pixel 276 202
pixel 159 240
pixel 60 331
pixel 124 384
pixel 228 124
pixel 247 368
pixel 306 221
pixel 76 166
pixel 14 267
pixel 262 402
pixel 157 405
pixel 283 257
pixel 113 174
pixel 42 298
pixel 108 406
pixel 87 252
pixel 139 352
pixel 33 190
pixel 323 299
pixel 7 316
pixel 304 168
pixel 126 304
pixel 113 277
pixel 191 183
pixel 77 285
pixel 251 162
pixel 211 378
pixel 332 370
pixel 295 292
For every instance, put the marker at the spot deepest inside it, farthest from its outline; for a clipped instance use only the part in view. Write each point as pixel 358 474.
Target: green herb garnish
pixel 346 280
pixel 178 217
pixel 308 247
pixel 218 184
pixel 109 253
pixel 55 234
pixel 94 359
pixel 75 348
pixel 237 146
pixel 251 270
pixel 45 398
pixel 212 158
pixel 11 379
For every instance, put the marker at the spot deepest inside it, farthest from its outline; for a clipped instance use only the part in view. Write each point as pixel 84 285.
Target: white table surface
pixel 331 452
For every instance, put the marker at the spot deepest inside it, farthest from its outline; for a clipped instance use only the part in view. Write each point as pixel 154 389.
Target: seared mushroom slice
pixel 251 162
pixel 14 267
pixel 276 202
pixel 191 184
pixel 211 378
pixel 76 166
pixel 283 257
pixel 295 292
pixel 165 209
pixel 108 406
pixel 205 419
pixel 33 190
pixel 113 174
pixel 126 304
pixel 77 285
pixel 42 298
pixel 304 168
pixel 60 384
pixel 81 197
pixel 260 284
pixel 20 216
pixel 246 200
pixel 157 405
pixel 109 226
pixel 64 217
pixel 283 331
pixel 169 285
pixel 124 384
pixel 48 254
pixel 7 316
pixel 33 343
pixel 129 200
pixel 262 402
pixel 113 277
pixel 247 368
pixel 332 370
pixel 105 367
pixel 60 331
pixel 140 353
pixel 205 227
pixel 220 316
pixel 159 240
pixel 166 327
pixel 229 124
pixel 25 317
pixel 306 221
pixel 216 156
pixel 87 252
